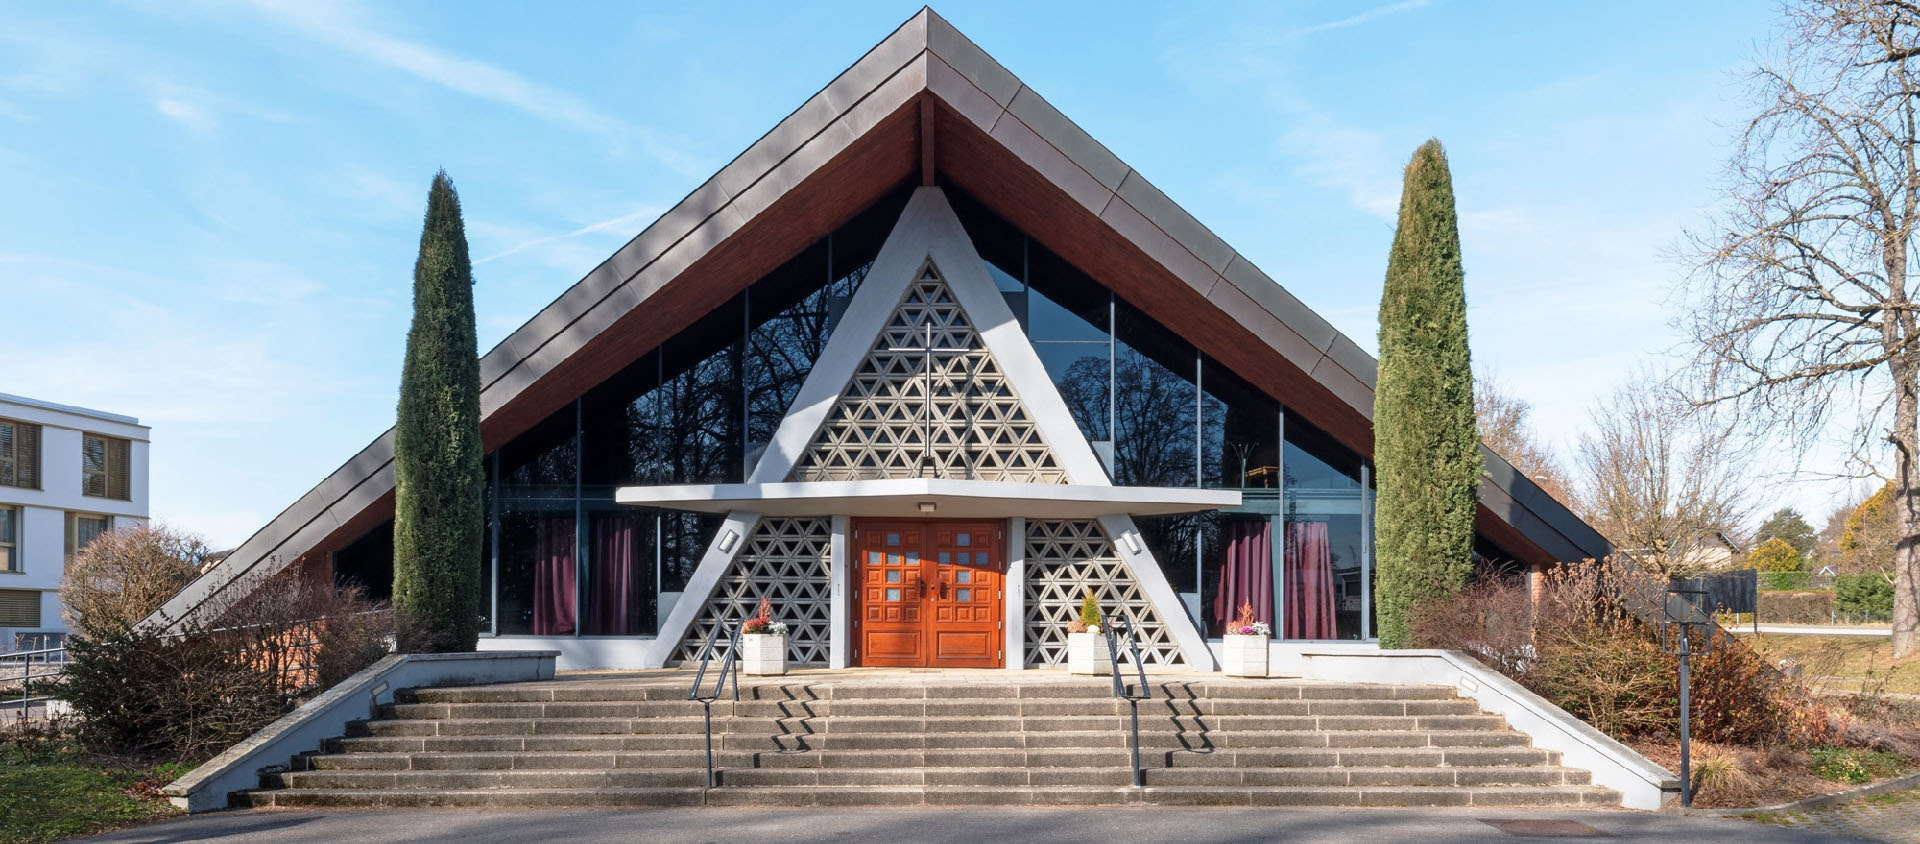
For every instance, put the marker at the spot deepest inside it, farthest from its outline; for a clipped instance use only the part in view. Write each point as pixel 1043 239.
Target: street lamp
pixel 1681 645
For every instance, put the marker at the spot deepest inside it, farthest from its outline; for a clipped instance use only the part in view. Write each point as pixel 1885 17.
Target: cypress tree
pixel 438 479
pixel 1426 448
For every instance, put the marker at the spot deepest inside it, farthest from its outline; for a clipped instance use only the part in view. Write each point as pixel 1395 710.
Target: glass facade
pixel 1159 413
pixel 698 409
pixel 564 560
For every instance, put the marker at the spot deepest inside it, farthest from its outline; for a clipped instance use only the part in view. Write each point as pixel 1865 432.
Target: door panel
pixel 931 594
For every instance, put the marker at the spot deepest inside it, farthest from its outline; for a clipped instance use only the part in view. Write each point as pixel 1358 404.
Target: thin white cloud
pixel 1364 17
pixel 333 25
pixel 1346 159
pixel 189 114
pixel 620 223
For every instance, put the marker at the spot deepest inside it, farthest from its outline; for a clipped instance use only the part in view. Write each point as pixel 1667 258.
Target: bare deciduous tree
pixel 123 576
pixel 1802 316
pixel 1659 478
pixel 1506 428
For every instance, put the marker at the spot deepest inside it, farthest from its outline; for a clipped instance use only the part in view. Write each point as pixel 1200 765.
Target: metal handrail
pixel 1119 688
pixel 56 657
pixel 727 660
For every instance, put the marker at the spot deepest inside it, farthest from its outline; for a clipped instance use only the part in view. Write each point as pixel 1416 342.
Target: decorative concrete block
pixel 763 653
pixel 1243 656
pixel 1087 654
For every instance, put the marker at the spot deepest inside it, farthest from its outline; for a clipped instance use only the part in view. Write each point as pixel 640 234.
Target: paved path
pixel 1889 817
pixel 1816 630
pixel 1161 825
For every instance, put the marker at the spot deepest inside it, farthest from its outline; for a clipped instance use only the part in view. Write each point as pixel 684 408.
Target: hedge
pixel 1796 608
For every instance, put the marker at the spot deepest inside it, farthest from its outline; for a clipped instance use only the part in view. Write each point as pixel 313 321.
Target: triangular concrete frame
pixel 929 232
pixel 845 147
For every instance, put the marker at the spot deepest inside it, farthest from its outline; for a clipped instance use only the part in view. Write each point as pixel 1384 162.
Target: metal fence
pixel 25 676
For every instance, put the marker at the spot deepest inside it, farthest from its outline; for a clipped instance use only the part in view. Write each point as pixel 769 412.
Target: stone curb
pixel 239 767
pixel 1821 801
pixel 1642 784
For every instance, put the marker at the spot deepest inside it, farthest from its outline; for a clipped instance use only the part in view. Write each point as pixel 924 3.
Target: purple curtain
pixel 1309 581
pixel 613 583
pixel 553 593
pixel 1247 576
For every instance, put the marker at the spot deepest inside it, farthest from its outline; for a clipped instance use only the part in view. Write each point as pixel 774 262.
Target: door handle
pixel 943 590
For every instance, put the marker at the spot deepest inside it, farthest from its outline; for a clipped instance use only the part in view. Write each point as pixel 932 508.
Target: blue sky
pixel 209 210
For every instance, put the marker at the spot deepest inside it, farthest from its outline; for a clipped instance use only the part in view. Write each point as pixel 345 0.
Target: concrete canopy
pixel 924 104
pixel 930 497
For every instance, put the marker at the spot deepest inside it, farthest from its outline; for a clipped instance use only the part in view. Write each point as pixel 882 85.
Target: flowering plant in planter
pixel 1246 626
pixel 1086 651
pixel 763 642
pixel 762 622
pixel 1243 651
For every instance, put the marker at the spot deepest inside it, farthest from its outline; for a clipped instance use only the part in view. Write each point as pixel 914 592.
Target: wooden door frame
pixel 855 574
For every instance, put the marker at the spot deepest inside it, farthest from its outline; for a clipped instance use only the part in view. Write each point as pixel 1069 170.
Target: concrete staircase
pixel 901 738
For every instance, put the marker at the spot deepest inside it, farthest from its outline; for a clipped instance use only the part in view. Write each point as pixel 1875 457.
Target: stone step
pixel 949 795
pixel 1420 757
pixel 612 777
pixel 882 724
pixel 1092 689
pixel 1083 757
pixel 969 708
pixel 884 741
pixel 1217 777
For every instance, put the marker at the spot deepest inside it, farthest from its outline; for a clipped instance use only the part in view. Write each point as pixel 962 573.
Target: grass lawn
pixel 1843 664
pixel 50 795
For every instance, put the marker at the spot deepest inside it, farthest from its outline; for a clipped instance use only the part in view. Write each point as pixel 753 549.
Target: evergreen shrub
pixel 1869 595
pixel 438 479
pixel 1426 446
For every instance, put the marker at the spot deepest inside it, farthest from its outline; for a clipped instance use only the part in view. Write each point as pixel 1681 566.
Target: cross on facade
pixel 928 349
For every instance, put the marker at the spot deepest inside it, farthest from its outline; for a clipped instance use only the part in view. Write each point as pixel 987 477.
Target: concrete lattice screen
pixel 1064 560
pixel 929 403
pixel 786 562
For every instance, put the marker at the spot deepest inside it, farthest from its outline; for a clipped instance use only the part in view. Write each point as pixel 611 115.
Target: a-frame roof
pixel 925 105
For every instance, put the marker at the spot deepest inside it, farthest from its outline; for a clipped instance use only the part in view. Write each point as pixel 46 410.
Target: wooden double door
pixel 930 593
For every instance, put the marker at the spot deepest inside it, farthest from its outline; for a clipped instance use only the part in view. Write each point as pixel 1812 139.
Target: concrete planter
pixel 763 653
pixel 1087 654
pixel 1243 656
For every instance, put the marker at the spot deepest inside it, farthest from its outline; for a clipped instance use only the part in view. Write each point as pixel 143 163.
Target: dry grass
pixel 1848 665
pixel 1766 776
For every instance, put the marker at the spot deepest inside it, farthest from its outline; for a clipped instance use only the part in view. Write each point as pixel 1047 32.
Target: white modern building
pixel 67 475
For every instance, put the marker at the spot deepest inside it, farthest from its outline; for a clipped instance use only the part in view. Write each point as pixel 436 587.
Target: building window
pixel 83 529
pixel 104 467
pixel 19 608
pixel 10 539
pixel 19 454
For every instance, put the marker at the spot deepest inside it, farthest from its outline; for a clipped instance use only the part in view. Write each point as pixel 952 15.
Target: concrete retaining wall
pixel 238 768
pixel 1641 783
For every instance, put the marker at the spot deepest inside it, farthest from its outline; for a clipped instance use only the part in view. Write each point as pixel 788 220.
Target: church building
pixel 922 366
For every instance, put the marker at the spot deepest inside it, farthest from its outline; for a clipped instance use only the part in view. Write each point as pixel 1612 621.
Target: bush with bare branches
pixel 124 575
pixel 1587 647
pixel 189 691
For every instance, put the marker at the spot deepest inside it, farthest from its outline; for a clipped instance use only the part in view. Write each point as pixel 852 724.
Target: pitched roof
pixel 924 102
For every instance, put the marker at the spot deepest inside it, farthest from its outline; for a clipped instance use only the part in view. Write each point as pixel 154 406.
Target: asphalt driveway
pixel 1160 825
